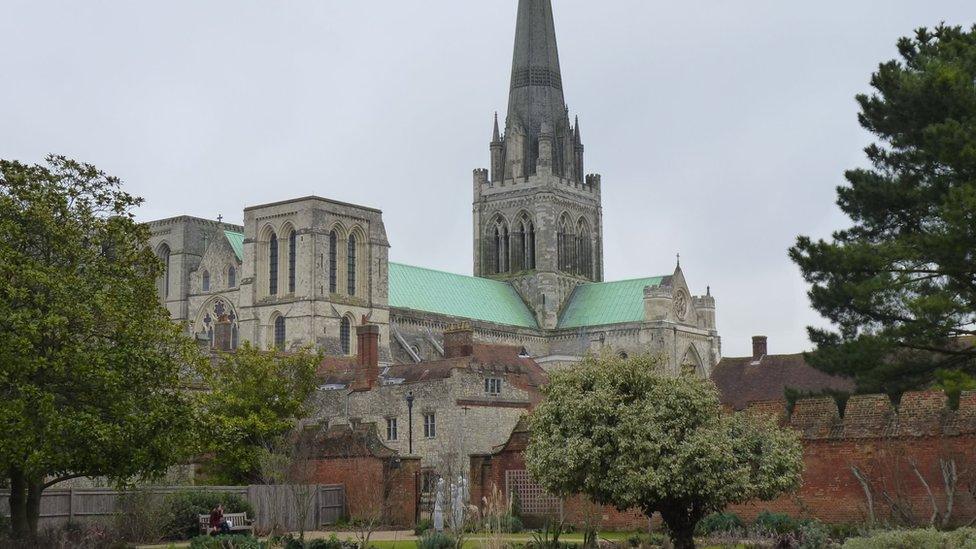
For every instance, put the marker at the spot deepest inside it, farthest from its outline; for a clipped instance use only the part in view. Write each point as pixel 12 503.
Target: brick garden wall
pixel 876 437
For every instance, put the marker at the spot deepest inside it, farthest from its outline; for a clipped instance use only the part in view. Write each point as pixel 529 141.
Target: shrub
pixel 182 510
pixel 138 515
pixel 422 526
pixel 964 538
pixel 435 540
pixel 226 542
pixel 511 524
pixel 719 523
pixel 331 543
pixel 813 535
pixel 775 523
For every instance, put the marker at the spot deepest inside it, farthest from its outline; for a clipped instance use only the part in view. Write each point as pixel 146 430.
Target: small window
pixel 391 428
pixel 493 386
pixel 279 332
pixel 206 281
pixel 344 335
pixel 231 277
pixel 430 425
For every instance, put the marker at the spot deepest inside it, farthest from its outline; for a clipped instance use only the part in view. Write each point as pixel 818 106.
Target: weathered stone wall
pixel 467 420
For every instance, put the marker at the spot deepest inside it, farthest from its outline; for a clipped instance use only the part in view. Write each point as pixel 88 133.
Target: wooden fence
pixel 287 505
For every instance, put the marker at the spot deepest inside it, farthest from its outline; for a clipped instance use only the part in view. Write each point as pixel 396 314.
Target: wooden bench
pixel 239 521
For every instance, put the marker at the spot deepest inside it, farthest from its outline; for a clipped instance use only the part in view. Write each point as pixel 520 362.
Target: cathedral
pixel 310 270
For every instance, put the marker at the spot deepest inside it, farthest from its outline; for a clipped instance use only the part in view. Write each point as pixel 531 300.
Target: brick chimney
pixel 459 341
pixel 368 356
pixel 759 347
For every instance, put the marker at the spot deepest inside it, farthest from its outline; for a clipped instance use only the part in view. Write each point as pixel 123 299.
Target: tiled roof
pixel 502 360
pixel 603 303
pixel 744 380
pixel 236 241
pixel 459 296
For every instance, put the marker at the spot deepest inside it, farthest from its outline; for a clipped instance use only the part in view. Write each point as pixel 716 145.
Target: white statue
pixel 459 496
pixel 439 507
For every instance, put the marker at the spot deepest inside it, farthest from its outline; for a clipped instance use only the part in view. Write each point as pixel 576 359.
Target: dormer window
pixel 493 386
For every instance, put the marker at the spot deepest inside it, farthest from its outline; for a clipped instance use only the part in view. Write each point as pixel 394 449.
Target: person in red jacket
pixel 217 523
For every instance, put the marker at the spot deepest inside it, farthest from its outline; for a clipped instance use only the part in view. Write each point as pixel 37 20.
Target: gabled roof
pixel 459 296
pixel 742 380
pixel 602 303
pixel 236 241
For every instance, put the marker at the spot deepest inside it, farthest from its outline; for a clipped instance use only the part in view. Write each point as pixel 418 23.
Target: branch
pixel 51 483
pixel 865 485
pixel 951 479
pixel 935 508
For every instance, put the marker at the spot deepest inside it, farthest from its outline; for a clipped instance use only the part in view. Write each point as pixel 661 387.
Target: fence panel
pixel 285 505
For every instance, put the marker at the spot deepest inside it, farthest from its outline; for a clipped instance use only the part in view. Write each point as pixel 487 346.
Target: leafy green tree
pixel 253 398
pixel 90 362
pixel 627 434
pixel 900 284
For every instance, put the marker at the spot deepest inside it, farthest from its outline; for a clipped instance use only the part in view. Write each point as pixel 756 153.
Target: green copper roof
pixel 607 303
pixel 457 295
pixel 237 242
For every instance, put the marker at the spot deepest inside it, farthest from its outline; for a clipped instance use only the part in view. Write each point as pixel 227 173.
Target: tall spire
pixel 536 93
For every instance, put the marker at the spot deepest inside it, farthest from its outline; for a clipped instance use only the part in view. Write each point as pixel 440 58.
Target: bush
pixel 964 538
pixel 435 540
pixel 226 542
pixel 775 523
pixel 422 526
pixel 182 510
pixel 813 535
pixel 138 517
pixel 511 524
pixel 719 523
pixel 331 543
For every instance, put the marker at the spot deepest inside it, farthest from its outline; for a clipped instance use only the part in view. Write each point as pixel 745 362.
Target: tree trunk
pixel 18 505
pixel 681 524
pixel 34 491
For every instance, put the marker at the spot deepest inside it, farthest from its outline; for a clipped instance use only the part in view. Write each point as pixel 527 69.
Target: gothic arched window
pixel 584 250
pixel 231 277
pixel 566 246
pixel 273 265
pixel 206 281
pixel 292 248
pixel 164 255
pixel 345 329
pixel 351 266
pixel 279 332
pixel 333 262
pixel 498 247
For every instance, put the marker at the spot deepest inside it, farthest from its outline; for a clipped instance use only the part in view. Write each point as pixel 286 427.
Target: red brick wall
pixel 873 435
pixel 370 480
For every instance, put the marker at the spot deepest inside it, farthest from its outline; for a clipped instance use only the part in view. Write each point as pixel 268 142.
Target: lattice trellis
pixel 533 499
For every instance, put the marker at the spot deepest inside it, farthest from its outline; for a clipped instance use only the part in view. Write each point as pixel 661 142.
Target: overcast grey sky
pixel 721 128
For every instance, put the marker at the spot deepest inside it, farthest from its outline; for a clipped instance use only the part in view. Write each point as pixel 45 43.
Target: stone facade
pixel 441 411
pixel 307 271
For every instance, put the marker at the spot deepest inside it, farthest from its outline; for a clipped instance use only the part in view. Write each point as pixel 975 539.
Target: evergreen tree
pixel 899 286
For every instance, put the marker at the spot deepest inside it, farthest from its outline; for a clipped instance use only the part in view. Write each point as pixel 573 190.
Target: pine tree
pixel 899 286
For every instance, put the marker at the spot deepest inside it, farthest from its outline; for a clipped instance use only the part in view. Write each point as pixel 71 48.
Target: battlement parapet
pixel 919 414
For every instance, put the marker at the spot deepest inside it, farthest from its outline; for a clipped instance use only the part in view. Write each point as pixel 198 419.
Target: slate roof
pixel 744 379
pixel 501 360
pixel 602 303
pixel 236 241
pixel 459 296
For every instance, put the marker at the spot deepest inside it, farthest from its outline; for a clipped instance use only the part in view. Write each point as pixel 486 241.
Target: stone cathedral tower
pixel 538 221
